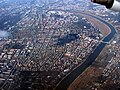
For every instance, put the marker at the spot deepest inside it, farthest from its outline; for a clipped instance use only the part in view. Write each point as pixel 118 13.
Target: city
pixel 42 42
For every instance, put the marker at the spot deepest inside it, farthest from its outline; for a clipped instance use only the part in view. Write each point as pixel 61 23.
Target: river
pixel 65 83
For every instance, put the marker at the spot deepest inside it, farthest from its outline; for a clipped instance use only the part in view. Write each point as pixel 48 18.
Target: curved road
pixel 65 83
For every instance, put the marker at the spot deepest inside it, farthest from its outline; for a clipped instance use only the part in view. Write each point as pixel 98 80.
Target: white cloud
pixel 4 34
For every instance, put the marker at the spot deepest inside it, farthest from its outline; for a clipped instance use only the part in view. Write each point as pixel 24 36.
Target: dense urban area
pixel 43 41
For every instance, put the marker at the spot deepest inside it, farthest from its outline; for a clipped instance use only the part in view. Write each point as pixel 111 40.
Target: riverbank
pixel 91 75
pixel 104 29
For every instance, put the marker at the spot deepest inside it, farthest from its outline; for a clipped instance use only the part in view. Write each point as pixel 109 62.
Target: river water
pixel 65 83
